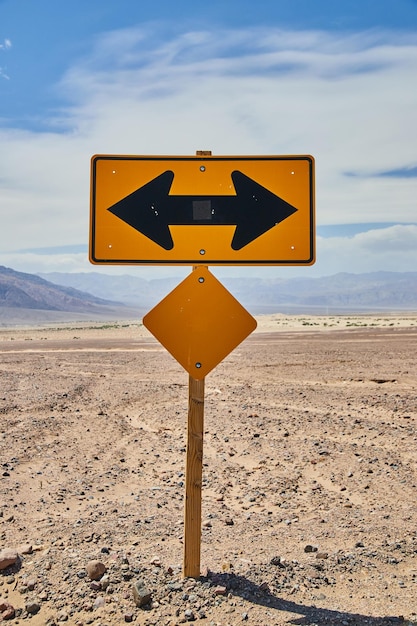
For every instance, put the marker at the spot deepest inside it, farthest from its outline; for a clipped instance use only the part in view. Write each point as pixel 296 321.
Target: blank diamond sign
pixel 199 322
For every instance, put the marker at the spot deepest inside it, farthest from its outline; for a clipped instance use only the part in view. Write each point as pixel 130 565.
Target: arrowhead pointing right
pixel 259 210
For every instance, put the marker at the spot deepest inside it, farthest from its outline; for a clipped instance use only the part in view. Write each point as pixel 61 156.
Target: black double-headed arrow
pixel 151 210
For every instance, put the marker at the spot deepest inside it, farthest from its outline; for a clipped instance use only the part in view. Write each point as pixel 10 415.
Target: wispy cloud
pixel 5 45
pixel 405 172
pixel 401 172
pixel 257 53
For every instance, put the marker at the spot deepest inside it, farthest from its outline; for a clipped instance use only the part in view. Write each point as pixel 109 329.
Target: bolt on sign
pixel 202 210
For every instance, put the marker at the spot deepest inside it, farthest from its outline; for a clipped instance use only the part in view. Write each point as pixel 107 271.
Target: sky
pixel 333 79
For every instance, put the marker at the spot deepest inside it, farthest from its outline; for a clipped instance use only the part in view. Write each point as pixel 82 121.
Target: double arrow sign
pixel 151 210
pixel 138 226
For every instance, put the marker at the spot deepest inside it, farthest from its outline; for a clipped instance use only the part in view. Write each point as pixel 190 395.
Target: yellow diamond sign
pixel 199 322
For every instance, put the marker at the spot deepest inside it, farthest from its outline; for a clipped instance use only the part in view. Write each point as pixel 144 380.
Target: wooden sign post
pixel 193 479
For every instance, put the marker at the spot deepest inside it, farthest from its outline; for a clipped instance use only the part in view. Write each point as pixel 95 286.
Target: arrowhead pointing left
pixel 259 210
pixel 146 210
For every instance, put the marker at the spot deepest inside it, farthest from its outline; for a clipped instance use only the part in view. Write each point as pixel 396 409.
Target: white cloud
pixel 348 100
pixel 391 249
pixel 37 263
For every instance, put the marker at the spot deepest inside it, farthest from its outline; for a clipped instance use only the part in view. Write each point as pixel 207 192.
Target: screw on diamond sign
pixel 201 210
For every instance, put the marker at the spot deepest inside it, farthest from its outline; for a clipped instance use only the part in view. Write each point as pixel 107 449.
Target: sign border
pixel 200 261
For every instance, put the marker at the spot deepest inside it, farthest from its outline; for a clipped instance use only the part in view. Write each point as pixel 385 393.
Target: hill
pixel 26 298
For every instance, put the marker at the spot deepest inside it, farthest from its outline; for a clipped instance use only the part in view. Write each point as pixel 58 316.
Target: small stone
pixel 8 613
pixel 310 548
pixel 228 521
pixel 95 569
pixel 220 590
pixel 99 602
pixel 7 610
pixel 104 582
pixel 322 555
pixel 32 608
pixel 62 616
pixel 189 615
pixel 128 617
pixel 25 549
pixel 95 585
pixel 8 557
pixel 141 595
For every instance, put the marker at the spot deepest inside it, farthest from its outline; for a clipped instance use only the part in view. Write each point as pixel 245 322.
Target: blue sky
pixel 328 78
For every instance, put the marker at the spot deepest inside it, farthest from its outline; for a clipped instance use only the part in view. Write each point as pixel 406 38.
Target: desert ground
pixel 309 510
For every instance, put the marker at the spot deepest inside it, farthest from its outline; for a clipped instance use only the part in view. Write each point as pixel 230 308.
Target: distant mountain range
pixel 30 298
pixel 338 293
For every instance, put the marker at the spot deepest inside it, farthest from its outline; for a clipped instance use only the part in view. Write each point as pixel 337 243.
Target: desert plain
pixel 309 475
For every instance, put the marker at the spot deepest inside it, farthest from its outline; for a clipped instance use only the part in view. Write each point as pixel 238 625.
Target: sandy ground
pixel 309 477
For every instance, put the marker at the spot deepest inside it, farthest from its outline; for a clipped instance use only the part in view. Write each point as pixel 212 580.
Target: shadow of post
pixel 310 614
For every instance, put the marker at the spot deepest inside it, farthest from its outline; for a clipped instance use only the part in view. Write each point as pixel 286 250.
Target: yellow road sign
pixel 209 210
pixel 199 322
